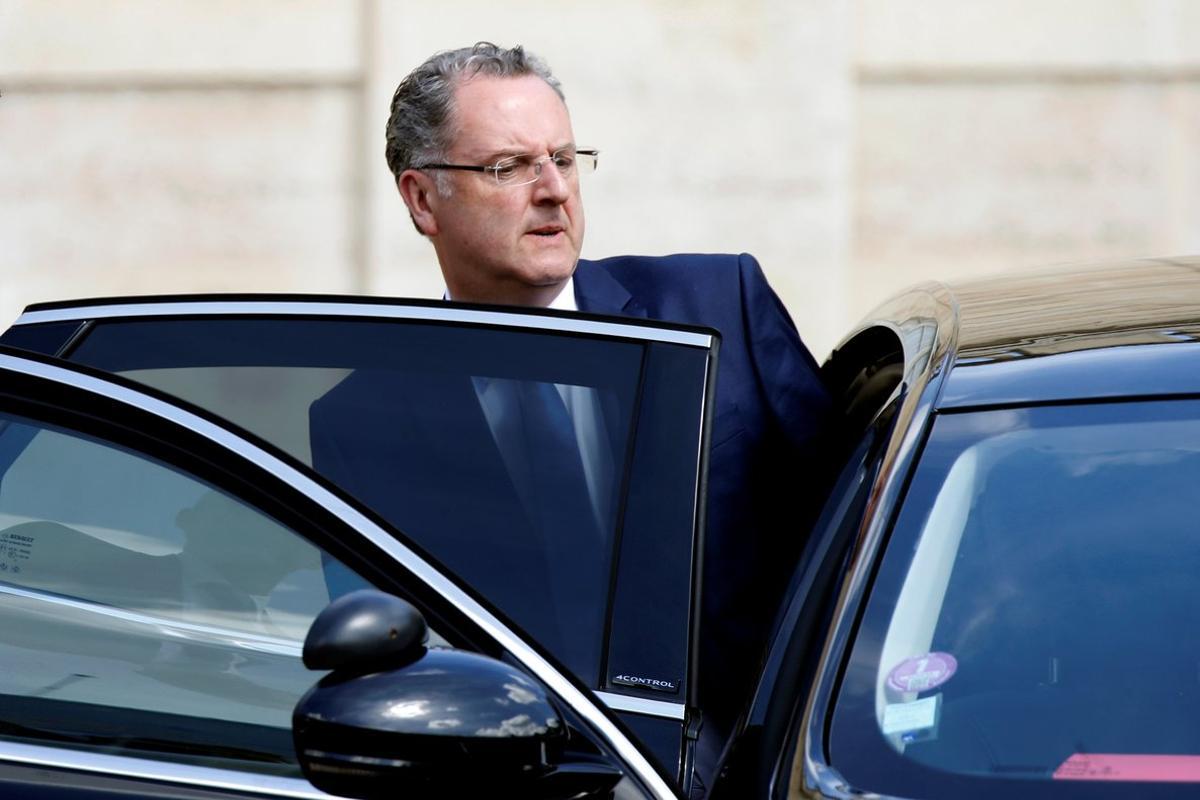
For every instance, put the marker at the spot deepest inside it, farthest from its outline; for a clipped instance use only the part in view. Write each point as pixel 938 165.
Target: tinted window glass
pixel 505 454
pixel 48 338
pixel 145 612
pixel 1030 630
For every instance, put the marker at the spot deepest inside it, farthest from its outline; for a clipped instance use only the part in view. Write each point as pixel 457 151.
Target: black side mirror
pixel 395 719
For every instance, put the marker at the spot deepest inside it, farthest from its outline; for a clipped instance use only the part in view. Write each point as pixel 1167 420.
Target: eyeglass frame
pixel 493 169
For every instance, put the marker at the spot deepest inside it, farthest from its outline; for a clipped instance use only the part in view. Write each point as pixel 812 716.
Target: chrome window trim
pixel 350 516
pixel 207 308
pixel 642 705
pixel 166 771
pixel 171 628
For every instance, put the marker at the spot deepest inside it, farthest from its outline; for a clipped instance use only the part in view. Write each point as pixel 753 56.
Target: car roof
pixel 1086 333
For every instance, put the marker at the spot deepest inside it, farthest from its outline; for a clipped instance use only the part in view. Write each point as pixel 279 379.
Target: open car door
pixel 431 416
pixel 159 573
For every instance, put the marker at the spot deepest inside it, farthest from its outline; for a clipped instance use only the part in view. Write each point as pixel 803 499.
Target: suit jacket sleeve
pixel 788 376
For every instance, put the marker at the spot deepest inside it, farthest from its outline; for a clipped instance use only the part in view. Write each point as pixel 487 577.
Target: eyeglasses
pixel 524 170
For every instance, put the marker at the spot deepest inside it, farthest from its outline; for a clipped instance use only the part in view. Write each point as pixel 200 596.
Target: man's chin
pixel 550 271
pixel 545 280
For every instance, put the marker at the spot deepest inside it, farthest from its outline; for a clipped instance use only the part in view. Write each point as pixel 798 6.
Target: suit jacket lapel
pixel 598 292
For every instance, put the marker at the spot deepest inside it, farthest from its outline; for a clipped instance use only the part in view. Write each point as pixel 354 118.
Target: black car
pixel 999 600
pixel 200 530
pixel 995 600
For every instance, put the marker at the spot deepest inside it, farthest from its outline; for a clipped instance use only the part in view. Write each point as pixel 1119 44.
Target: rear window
pixel 1031 628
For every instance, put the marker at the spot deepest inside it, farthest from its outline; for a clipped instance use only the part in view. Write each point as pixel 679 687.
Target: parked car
pixel 994 602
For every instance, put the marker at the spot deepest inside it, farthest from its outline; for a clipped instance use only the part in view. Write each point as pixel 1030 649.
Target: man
pixel 483 153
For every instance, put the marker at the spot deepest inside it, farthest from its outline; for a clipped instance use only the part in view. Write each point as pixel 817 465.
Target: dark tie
pixel 556 466
pixel 577 550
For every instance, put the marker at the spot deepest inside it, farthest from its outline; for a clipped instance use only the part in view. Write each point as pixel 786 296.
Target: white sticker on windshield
pixel 913 721
pixel 15 550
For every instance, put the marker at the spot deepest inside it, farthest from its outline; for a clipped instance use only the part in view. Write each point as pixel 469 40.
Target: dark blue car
pixel 995 601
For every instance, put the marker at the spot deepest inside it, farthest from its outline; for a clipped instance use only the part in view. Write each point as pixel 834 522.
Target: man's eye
pixel 564 161
pixel 507 170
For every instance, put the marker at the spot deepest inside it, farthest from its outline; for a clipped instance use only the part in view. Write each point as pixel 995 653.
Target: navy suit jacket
pixel 766 476
pixel 770 405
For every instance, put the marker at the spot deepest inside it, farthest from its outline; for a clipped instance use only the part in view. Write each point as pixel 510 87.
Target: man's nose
pixel 551 186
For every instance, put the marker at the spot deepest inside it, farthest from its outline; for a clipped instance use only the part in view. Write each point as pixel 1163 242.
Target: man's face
pixel 508 244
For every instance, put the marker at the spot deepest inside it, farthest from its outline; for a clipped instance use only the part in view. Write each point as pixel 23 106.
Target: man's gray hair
pixel 421 124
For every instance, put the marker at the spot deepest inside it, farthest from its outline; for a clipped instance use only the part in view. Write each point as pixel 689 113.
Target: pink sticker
pixel 1127 767
pixel 921 673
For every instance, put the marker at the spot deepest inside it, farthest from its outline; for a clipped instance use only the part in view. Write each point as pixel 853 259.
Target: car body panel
pixel 1087 333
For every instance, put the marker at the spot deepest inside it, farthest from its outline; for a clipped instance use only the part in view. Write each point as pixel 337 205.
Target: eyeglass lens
pixel 526 169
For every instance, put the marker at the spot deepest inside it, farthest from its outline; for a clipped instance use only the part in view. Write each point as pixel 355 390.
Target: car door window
pixel 147 612
pixel 446 431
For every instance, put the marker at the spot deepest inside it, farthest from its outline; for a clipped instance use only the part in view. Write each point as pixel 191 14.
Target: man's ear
pixel 419 192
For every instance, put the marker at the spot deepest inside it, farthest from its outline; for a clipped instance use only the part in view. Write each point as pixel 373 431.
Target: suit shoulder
pixel 683 269
pixel 694 288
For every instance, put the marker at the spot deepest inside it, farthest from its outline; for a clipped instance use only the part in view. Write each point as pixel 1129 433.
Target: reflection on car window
pixel 501 453
pixel 1032 620
pixel 509 482
pixel 144 611
pixel 270 401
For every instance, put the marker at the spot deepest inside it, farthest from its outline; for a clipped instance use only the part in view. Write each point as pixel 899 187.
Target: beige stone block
pixel 1182 188
pixel 145 40
pixel 188 191
pixel 1027 35
pixel 954 182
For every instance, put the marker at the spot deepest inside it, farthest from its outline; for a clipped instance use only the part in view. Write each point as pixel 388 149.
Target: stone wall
pixel 993 136
pixel 852 145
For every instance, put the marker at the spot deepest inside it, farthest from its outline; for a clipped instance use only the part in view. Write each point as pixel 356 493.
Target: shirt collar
pixel 564 302
pixel 566 298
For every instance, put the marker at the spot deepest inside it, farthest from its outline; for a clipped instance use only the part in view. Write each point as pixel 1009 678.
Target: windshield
pixel 1032 619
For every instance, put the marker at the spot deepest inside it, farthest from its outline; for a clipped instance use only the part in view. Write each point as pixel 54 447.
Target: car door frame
pixel 78 317
pixel 921 335
pixel 49 382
